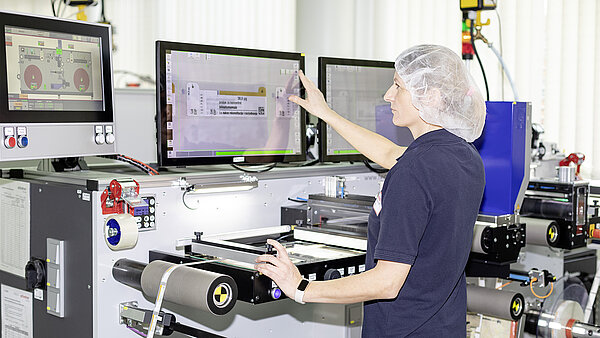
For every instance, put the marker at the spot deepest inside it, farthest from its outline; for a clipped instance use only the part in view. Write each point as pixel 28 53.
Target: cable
pixel 146 78
pixel 284 236
pixel 500 39
pixel 297 200
pixel 487 91
pixel 375 170
pixel 505 69
pixel 273 165
pixel 137 331
pixel 102 16
pixel 299 165
pixel 503 285
pixel 183 198
pixel 138 164
pixel 533 292
pixel 53 9
pixel 58 9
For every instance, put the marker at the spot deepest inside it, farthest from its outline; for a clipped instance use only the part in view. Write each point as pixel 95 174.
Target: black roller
pixel 128 272
pixel 534 207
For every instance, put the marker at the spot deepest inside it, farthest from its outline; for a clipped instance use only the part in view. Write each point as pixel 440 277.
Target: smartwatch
pixel 300 291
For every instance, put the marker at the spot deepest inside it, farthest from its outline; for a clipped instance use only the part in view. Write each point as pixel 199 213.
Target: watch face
pixel 303 285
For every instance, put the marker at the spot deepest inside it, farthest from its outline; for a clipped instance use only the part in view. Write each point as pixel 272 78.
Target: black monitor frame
pixel 62 26
pixel 322 125
pixel 161 104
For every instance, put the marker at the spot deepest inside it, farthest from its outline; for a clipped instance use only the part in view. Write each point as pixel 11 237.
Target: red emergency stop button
pixel 10 142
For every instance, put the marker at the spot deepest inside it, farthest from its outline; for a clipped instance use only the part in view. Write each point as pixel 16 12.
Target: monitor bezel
pixel 61 26
pixel 161 103
pixel 322 125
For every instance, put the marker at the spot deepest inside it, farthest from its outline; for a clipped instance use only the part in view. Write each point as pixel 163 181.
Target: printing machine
pixel 75 273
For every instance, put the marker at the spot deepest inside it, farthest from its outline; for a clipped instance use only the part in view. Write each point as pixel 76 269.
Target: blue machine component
pixel 114 232
pixel 505 147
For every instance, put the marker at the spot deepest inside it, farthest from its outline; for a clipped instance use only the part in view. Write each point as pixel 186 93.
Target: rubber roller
pixel 496 303
pixel 188 286
pixel 480 232
pixel 542 232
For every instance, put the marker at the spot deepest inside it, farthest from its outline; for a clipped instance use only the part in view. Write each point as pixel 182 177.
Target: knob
pixel 276 293
pixel 100 138
pixel 35 274
pixel 10 142
pixel 332 274
pixel 22 141
pixel 110 138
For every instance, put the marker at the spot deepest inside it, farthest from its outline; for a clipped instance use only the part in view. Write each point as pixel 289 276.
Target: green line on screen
pixel 253 152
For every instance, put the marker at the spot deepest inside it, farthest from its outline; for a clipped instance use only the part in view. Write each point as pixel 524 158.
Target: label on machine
pixel 14 234
pixel 17 312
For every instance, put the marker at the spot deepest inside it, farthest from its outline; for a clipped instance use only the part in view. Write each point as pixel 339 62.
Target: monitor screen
pixel 227 105
pixel 355 90
pixel 56 89
pixel 53 71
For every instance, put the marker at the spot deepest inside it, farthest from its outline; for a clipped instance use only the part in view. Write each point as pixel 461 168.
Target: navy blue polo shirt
pixel 429 204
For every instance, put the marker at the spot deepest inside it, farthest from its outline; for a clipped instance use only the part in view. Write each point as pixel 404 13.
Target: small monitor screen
pixel 355 90
pixel 53 71
pixel 225 105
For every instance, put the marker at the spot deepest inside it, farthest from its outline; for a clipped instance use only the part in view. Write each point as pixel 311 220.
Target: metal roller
pixel 128 272
pixel 200 289
pixel 496 303
pixel 545 208
pixel 542 232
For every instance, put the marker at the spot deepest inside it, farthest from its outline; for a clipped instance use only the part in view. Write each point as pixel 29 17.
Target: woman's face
pixel 404 113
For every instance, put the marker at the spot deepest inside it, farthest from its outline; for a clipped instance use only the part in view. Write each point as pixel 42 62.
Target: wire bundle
pixel 138 164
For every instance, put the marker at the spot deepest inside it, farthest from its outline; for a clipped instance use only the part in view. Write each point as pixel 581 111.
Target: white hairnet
pixel 442 89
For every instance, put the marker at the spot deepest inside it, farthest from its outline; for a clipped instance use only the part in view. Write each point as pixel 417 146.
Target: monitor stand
pixel 63 164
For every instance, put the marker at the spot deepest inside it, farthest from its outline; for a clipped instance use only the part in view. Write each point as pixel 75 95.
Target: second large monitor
pixel 227 105
pixel 355 89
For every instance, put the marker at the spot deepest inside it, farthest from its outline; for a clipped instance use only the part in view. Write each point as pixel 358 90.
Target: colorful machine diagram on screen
pixel 226 105
pixel 53 71
pixel 356 92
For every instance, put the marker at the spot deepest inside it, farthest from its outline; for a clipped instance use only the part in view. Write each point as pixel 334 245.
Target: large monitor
pixel 355 89
pixel 227 105
pixel 55 88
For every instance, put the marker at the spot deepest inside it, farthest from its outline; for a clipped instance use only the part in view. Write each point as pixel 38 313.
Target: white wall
pixel 551 47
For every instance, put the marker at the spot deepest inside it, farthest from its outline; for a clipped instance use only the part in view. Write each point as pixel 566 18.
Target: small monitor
pixel 227 105
pixel 355 90
pixel 55 88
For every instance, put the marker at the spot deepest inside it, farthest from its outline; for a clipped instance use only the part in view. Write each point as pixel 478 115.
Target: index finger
pixel 306 82
pixel 281 252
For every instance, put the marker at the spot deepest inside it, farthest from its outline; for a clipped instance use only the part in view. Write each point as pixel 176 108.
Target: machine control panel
pixel 36 141
pixel 146 217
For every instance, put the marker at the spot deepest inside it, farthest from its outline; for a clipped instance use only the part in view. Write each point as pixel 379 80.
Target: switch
pixel 100 139
pixel 53 253
pixel 53 302
pixel 22 141
pixel 10 142
pixel 53 277
pixel 110 138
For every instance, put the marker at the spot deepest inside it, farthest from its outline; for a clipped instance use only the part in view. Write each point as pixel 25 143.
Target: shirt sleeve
pixel 404 216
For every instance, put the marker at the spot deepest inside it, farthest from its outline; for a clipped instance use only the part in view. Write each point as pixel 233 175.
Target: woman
pixel 421 226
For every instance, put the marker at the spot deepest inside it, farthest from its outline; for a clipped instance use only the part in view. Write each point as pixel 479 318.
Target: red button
pixel 10 142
